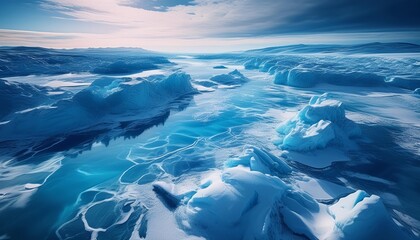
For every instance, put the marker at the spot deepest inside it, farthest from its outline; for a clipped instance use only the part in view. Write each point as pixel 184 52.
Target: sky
pixel 205 25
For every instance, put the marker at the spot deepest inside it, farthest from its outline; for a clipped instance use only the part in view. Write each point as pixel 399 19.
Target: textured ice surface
pixel 317 125
pixel 360 216
pixel 354 66
pixel 232 78
pixel 104 98
pixel 307 77
pixel 241 202
pixel 220 67
pixel 234 205
pixel 107 109
pixel 22 61
pixel 15 96
pixel 140 156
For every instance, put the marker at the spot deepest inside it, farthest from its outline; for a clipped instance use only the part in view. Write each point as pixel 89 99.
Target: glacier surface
pixel 294 142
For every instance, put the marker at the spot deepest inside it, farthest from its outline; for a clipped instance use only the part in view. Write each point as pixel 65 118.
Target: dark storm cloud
pixel 350 15
pixel 136 22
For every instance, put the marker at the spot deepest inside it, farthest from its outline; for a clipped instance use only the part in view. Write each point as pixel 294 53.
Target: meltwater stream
pixel 152 184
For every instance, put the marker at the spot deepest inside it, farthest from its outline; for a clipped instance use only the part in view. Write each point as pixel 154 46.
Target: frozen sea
pixel 299 142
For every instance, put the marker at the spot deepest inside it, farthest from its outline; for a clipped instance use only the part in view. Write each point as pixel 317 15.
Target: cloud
pixel 238 18
pixel 204 45
pixel 212 24
pixel 358 15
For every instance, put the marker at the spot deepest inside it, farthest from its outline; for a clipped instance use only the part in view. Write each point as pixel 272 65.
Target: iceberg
pixel 232 78
pixel 318 124
pixel 253 63
pixel 229 80
pixel 304 77
pixel 15 96
pixel 237 202
pixel 234 205
pixel 107 100
pixel 296 68
pixel 360 216
pixel 246 202
pixel 219 67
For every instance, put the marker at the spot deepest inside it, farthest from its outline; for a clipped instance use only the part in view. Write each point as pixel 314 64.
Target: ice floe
pixel 318 124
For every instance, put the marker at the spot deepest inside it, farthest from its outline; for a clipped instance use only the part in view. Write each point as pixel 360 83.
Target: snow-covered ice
pixel 320 123
pixel 295 142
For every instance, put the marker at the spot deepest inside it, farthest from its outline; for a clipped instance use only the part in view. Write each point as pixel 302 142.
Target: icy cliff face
pixel 318 124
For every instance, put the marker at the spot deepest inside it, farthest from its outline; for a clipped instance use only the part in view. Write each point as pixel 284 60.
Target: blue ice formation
pixel 303 77
pixel 121 68
pixel 220 67
pixel 318 124
pixel 403 82
pixel 15 96
pixel 262 161
pixel 22 61
pixel 360 216
pixel 235 203
pixel 232 78
pixel 304 71
pixel 246 202
pixel 106 100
